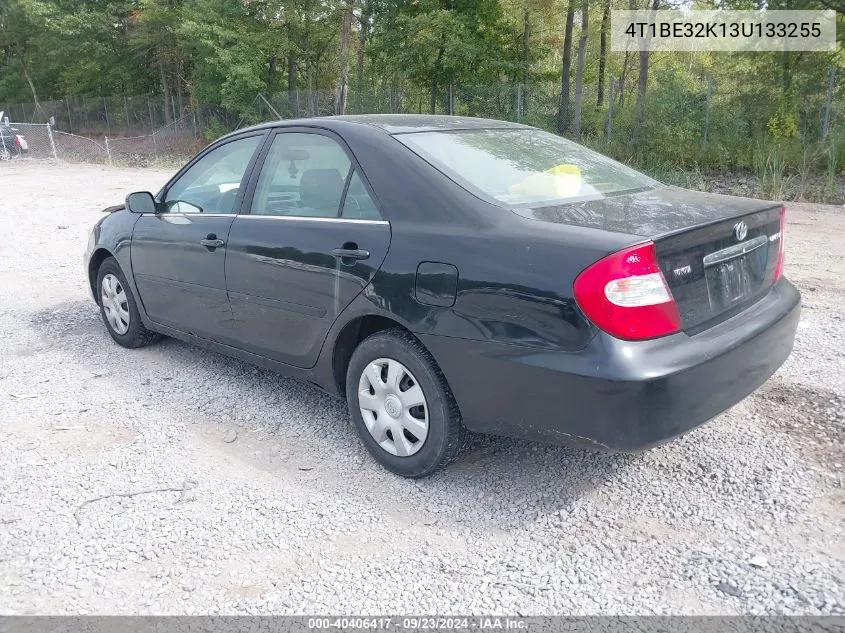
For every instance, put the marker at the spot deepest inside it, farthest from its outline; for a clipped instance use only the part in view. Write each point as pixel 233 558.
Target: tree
pixel 153 35
pixel 343 74
pixel 442 43
pixel 364 27
pixel 21 24
pixel 563 105
pixel 642 82
pixel 605 25
pixel 579 70
pixel 224 51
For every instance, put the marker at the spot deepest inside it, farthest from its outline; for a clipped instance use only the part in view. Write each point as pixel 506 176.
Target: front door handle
pixel 212 242
pixel 351 253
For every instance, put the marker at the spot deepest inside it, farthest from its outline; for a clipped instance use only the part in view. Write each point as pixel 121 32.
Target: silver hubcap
pixel 113 299
pixel 393 407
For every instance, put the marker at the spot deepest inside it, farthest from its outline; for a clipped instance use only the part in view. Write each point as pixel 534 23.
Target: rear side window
pixel 358 204
pixel 524 166
pixel 303 175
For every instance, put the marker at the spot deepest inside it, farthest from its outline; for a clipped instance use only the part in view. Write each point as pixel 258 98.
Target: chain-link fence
pixel 20 140
pixel 175 142
pixel 180 139
pixel 118 116
pixel 686 123
pixel 80 149
pixel 35 140
pixel 131 130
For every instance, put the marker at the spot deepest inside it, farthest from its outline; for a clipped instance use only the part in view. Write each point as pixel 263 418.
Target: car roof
pixel 393 123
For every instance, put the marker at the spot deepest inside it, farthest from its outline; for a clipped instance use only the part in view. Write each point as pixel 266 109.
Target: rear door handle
pixel 351 253
pixel 212 242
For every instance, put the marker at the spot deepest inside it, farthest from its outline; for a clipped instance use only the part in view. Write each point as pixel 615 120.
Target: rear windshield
pixel 525 166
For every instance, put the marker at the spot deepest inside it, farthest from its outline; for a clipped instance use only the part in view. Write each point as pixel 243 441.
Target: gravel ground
pixel 173 480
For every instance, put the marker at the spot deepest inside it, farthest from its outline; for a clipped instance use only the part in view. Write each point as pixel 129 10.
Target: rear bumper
pixel 619 395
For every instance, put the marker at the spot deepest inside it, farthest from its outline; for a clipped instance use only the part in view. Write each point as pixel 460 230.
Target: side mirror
pixel 141 202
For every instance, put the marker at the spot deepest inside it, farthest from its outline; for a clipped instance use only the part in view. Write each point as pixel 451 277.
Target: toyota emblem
pixel 740 230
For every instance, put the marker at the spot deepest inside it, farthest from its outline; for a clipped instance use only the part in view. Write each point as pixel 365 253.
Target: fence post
pixel 828 103
pixel 106 110
pixel 200 124
pixel 608 132
pixel 87 117
pixel 269 105
pixel 69 117
pixel 126 127
pixel 707 106
pixel 52 142
pixel 108 151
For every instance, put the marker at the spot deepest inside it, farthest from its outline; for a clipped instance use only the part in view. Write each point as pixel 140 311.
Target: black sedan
pixel 449 275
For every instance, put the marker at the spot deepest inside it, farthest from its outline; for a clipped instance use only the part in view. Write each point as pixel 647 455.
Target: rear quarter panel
pixel 514 281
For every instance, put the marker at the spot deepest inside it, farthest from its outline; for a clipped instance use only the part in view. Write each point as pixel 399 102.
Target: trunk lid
pixel 717 270
pixel 718 253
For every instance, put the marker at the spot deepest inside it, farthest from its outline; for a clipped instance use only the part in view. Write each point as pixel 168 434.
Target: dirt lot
pixel 173 480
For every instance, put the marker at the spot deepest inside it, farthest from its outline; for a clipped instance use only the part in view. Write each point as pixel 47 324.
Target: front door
pixel 312 240
pixel 178 254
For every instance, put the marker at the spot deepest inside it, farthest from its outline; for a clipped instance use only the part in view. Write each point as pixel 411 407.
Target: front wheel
pixel 401 405
pixel 118 307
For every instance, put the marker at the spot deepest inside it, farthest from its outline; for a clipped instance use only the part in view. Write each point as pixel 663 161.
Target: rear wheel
pixel 118 307
pixel 401 405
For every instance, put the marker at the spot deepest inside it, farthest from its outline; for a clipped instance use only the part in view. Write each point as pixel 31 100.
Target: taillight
pixel 779 266
pixel 626 295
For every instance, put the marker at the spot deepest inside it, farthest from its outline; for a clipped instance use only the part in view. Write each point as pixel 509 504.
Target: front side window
pixel 211 184
pixel 524 166
pixel 303 175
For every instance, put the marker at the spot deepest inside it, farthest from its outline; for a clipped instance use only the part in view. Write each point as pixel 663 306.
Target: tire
pixel 435 435
pixel 135 334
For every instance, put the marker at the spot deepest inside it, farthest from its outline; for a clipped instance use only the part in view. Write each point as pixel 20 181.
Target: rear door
pixel 178 254
pixel 311 241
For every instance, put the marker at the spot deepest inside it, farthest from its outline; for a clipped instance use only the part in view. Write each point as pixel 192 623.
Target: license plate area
pixel 736 273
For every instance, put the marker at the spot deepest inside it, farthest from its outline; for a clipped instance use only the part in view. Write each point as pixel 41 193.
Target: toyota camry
pixel 449 275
